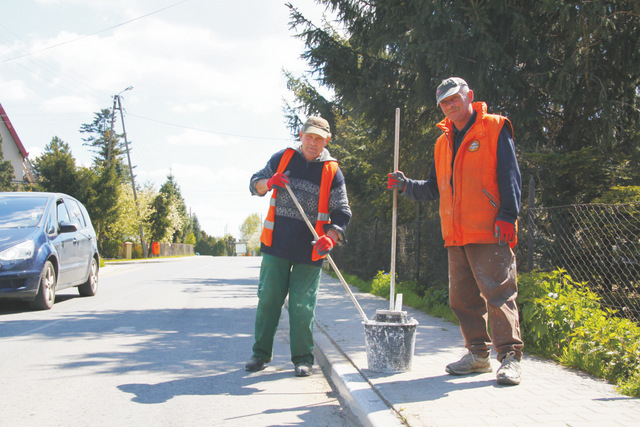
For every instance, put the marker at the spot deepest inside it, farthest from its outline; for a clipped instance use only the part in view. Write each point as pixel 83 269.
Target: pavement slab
pixel 549 395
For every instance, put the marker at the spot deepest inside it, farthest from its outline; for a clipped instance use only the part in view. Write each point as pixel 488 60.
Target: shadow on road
pixel 234 383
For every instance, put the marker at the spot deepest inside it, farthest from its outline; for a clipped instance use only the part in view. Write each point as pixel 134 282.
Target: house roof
pixel 15 136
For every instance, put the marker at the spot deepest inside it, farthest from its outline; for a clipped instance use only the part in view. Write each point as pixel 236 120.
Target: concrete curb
pixel 361 396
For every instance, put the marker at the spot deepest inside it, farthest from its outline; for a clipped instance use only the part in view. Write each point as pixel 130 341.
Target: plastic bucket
pixel 390 340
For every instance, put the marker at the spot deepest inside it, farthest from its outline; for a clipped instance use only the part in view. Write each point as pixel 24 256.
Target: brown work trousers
pixel 483 285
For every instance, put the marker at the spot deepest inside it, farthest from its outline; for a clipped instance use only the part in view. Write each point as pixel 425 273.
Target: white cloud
pixel 213 66
pixel 34 152
pixel 14 90
pixel 192 138
pixel 69 104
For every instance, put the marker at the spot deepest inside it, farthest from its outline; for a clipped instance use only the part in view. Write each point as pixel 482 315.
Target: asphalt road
pixel 163 343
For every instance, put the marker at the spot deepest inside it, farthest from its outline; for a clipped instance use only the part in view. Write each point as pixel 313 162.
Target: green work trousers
pixel 279 277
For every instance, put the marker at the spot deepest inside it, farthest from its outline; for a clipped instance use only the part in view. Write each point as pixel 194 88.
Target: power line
pixel 208 131
pixel 93 34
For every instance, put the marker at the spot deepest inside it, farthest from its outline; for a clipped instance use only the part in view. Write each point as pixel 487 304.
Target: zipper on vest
pixel 491 199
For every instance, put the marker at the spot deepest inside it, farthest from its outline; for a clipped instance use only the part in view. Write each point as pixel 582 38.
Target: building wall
pixel 11 152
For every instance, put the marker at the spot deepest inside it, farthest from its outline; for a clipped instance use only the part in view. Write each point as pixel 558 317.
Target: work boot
pixel 254 364
pixel 469 364
pixel 509 371
pixel 303 370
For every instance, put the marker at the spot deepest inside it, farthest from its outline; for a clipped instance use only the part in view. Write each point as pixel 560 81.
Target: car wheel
pixel 90 287
pixel 46 295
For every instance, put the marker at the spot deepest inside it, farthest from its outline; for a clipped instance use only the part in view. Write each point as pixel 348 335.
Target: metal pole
pixel 333 264
pixel 532 202
pixel 394 217
pixel 133 184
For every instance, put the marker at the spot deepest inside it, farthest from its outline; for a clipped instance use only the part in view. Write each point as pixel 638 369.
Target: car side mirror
pixel 67 227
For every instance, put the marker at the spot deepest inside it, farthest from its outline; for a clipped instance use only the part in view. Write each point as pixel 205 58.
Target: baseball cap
pixel 448 87
pixel 317 125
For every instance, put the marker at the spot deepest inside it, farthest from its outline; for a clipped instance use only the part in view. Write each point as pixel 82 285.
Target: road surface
pixel 163 343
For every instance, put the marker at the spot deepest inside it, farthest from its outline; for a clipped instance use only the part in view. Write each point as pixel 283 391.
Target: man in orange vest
pixel 476 177
pixel 291 258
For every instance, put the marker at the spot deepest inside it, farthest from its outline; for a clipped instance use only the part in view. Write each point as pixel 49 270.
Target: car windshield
pixel 21 212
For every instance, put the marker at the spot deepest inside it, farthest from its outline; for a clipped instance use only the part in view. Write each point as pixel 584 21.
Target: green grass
pixel 435 302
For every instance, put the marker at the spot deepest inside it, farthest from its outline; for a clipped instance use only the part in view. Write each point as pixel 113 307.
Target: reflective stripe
pixel 329 170
pixel 267 231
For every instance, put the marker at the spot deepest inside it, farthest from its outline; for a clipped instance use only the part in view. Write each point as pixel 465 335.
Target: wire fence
pixel 595 243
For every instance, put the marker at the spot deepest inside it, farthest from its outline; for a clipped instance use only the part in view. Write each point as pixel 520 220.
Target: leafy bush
pixel 606 346
pixel 552 305
pixel 111 248
pixel 436 303
pixel 381 285
pixel 562 319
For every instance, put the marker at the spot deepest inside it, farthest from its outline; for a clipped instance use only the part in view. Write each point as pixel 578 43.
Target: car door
pixel 83 236
pixel 66 245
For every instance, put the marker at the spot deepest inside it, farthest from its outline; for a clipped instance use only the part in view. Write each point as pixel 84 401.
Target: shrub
pixel 552 305
pixel 563 319
pixel 381 285
pixel 606 346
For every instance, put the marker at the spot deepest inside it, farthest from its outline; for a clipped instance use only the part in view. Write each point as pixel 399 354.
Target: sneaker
pixel 303 370
pixel 469 364
pixel 509 372
pixel 254 364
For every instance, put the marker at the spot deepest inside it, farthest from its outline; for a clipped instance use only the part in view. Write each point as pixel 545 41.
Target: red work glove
pixel 324 245
pixel 505 232
pixel 397 180
pixel 279 180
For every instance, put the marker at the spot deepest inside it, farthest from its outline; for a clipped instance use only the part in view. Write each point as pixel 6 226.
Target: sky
pixel 208 88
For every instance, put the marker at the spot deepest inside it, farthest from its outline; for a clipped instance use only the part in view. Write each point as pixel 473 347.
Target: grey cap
pixel 449 87
pixel 317 125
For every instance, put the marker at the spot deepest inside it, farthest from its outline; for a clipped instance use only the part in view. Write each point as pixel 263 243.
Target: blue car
pixel 47 243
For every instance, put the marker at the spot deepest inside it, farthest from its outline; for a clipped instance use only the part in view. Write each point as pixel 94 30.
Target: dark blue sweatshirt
pixel 292 239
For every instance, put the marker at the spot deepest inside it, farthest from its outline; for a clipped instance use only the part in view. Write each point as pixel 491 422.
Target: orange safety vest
pixel 329 170
pixel 468 210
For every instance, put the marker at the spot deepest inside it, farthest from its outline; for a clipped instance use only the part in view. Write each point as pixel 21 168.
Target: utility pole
pixel 112 139
pixel 117 99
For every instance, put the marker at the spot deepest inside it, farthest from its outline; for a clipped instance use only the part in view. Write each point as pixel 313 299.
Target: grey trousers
pixel 482 293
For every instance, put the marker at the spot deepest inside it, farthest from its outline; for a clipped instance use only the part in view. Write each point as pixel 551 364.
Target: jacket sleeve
pixel 265 173
pixel 423 190
pixel 339 210
pixel 509 179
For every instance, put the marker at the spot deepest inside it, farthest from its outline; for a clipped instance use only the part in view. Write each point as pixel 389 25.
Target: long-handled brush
pixel 333 264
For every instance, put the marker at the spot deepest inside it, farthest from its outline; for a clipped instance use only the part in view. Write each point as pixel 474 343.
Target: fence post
pixel 418 233
pixel 532 202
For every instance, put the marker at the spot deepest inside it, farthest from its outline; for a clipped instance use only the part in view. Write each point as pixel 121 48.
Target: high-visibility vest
pixel 468 210
pixel 329 170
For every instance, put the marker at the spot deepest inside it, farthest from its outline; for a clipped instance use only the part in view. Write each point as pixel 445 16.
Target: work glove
pixel 324 245
pixel 397 180
pixel 280 180
pixel 505 232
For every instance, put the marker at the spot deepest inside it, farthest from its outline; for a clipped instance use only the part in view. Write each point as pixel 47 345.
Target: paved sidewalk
pixel 550 395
